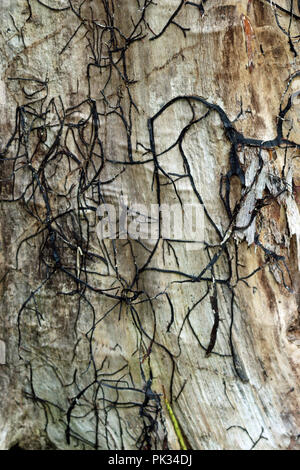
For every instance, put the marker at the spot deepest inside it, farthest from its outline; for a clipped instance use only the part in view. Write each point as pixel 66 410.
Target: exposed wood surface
pixel 229 364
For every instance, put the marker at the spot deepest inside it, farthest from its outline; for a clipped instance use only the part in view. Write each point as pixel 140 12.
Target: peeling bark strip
pixel 249 38
pixel 95 327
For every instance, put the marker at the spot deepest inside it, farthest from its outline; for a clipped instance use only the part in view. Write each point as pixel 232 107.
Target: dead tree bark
pixel 154 343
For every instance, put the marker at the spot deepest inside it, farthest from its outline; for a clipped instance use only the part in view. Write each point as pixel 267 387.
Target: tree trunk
pixel 161 341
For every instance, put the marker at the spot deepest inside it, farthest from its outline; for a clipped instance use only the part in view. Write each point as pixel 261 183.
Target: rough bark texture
pixel 88 343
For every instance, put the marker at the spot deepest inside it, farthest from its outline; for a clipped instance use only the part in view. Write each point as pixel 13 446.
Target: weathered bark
pixel 89 342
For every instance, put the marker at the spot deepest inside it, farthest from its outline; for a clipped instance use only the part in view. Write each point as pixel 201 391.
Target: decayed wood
pixel 215 364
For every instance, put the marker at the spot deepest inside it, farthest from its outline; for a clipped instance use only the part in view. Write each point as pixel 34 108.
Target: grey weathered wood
pixel 216 410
